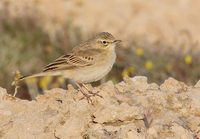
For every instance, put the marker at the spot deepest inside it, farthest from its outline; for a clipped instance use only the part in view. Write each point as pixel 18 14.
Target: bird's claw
pixel 90 94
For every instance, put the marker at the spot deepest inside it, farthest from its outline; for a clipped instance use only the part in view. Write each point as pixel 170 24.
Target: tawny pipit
pixel 88 62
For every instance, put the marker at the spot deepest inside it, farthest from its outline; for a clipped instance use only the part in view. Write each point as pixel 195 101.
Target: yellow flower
pixel 31 80
pixel 44 82
pixel 139 52
pixel 188 59
pixel 128 71
pixel 59 81
pixel 149 65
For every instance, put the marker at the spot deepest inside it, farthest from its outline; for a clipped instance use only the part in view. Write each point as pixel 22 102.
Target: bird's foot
pixel 90 92
pixel 87 93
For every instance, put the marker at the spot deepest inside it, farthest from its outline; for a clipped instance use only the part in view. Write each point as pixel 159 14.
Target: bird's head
pixel 105 40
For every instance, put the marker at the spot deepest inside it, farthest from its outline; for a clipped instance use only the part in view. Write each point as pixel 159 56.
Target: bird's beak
pixel 117 41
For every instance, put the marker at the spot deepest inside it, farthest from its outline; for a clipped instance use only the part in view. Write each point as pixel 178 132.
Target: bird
pixel 88 62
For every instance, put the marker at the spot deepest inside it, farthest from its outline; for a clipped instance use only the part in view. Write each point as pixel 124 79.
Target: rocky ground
pixel 132 109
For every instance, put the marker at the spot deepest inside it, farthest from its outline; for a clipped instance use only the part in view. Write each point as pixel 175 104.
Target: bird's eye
pixel 105 43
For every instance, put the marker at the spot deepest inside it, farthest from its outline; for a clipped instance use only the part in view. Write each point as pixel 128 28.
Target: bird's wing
pixel 69 61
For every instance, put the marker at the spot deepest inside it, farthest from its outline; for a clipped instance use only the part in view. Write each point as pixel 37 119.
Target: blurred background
pixel 160 38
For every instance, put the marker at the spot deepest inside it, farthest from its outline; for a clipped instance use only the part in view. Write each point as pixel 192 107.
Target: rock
pixel 114 113
pixel 130 109
pixel 153 86
pixel 140 83
pixel 172 85
pixel 2 93
pixel 197 84
pixel 181 132
pixel 137 83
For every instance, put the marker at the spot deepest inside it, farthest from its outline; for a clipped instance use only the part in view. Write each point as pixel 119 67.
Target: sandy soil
pixel 130 109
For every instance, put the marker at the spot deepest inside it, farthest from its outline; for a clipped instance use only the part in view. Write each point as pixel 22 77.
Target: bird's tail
pixel 30 76
pixel 19 79
pixel 39 75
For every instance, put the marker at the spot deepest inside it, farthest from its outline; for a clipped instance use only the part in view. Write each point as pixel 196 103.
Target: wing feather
pixel 79 57
pixel 68 61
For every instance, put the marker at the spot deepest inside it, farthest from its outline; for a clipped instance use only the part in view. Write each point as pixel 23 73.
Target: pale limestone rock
pixel 140 83
pixel 130 109
pixel 118 112
pixel 197 84
pixel 75 125
pixel 180 132
pixel 194 99
pixel 172 85
pixel 152 133
pixel 2 92
pixel 137 83
pixel 153 86
pixel 130 131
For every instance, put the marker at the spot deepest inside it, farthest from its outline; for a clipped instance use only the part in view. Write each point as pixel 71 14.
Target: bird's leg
pixel 84 92
pixel 90 92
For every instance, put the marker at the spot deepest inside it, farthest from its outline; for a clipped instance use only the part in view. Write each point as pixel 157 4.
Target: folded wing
pixel 68 61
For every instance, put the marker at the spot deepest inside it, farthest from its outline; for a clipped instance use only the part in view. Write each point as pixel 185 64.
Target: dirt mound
pixel 130 109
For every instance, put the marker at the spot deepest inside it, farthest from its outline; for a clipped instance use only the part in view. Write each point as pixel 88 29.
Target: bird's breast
pixel 94 72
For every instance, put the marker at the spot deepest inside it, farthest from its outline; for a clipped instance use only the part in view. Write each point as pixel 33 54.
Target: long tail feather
pixel 39 75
